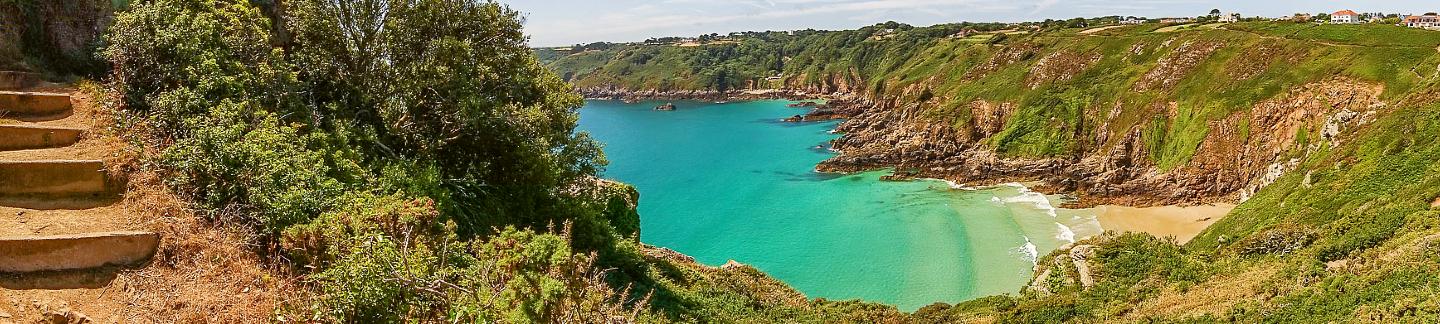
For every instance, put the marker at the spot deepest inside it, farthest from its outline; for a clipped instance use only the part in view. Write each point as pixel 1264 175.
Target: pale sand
pixel 1184 223
pixel 1172 28
pixel 1097 29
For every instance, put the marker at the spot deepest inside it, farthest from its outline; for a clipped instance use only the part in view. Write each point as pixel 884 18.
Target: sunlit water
pixel 730 181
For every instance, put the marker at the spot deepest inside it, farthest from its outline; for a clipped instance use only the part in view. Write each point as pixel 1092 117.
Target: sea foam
pixel 1029 251
pixel 1041 202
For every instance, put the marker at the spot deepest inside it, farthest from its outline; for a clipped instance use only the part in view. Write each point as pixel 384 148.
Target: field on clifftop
pixel 1322 131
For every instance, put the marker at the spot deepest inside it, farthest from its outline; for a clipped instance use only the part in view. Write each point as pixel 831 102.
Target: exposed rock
pixel 1007 55
pixel 1080 255
pixel 1280 240
pixel 65 316
pixel 66 31
pixel 1259 58
pixel 988 119
pixel 1175 66
pixel 666 254
pixel 733 265
pixel 1038 284
pixel 1059 67
pixel 1239 155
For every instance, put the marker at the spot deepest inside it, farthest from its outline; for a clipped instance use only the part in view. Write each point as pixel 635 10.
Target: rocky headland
pixel 1114 168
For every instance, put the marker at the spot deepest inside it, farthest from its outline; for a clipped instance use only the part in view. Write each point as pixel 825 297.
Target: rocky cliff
pixel 1129 116
pixel 1241 153
pixel 58 37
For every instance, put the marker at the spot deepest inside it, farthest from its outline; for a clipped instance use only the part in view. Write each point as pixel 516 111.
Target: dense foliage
pixel 1347 234
pixel 415 162
pixel 412 160
pixel 358 134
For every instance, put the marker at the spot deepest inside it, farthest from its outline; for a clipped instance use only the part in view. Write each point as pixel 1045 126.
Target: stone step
pixel 14 103
pixel 26 137
pixel 19 254
pixel 15 80
pixel 52 178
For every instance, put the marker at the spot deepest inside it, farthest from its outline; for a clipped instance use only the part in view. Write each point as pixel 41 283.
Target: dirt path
pixel 195 273
pixel 1099 29
pixel 1314 41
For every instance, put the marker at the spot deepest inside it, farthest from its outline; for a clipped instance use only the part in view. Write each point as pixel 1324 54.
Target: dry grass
pixel 203 272
pixel 1215 296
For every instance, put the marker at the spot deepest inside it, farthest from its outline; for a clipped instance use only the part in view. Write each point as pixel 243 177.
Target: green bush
pixel 239 159
pixel 207 50
pixel 403 170
pixel 385 259
pixel 1280 240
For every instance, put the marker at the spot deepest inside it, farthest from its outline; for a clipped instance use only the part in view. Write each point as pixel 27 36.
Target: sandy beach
pixel 1182 222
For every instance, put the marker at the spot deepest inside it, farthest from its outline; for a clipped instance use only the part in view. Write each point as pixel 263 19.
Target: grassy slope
pixel 1296 54
pixel 1365 208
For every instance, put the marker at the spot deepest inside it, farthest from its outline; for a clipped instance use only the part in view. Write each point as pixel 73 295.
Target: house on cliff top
pixel 1428 21
pixel 1345 17
pixel 1230 18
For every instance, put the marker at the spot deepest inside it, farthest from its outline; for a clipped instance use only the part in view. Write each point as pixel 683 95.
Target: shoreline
pixel 1182 222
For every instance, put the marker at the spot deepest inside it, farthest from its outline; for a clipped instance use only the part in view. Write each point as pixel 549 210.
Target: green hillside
pixel 417 162
pixel 1347 232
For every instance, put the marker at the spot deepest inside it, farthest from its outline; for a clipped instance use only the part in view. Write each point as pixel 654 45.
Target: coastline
pixel 1182 222
pixel 825 106
pixel 1181 216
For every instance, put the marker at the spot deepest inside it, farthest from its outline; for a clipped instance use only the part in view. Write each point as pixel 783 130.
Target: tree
pixel 1214 12
pixel 451 84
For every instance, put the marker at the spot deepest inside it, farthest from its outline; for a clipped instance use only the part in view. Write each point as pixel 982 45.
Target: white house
pixel 1345 17
pixel 1132 21
pixel 1428 21
pixel 1230 17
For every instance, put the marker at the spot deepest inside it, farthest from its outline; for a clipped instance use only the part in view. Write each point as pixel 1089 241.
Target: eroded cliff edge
pixel 1240 154
pixel 1128 116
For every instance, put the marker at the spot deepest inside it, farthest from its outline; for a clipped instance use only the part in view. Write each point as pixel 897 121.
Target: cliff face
pixel 1129 116
pixel 1242 152
pixel 52 36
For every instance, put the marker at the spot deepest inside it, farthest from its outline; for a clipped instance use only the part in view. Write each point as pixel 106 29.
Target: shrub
pixel 1280 240
pixel 454 84
pixel 387 262
pixel 208 50
pixel 242 160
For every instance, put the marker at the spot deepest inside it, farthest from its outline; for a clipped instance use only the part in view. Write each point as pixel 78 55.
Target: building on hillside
pixel 1230 17
pixel 1371 17
pixel 1301 17
pixel 1132 21
pixel 1176 20
pixel 1345 17
pixel 1428 21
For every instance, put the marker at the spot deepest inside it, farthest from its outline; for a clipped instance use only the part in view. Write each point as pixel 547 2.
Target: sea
pixel 732 181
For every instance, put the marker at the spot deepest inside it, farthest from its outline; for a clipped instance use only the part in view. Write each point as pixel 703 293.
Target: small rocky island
pixel 666 107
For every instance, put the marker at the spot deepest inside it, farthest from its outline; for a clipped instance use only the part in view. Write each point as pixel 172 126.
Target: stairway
pixel 54 220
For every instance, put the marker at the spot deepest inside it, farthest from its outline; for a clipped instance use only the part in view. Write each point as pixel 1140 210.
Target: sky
pixel 569 22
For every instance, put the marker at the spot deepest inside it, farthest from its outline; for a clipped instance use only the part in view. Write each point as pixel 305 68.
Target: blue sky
pixel 567 22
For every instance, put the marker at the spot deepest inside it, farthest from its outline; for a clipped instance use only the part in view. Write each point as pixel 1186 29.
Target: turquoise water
pixel 730 181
